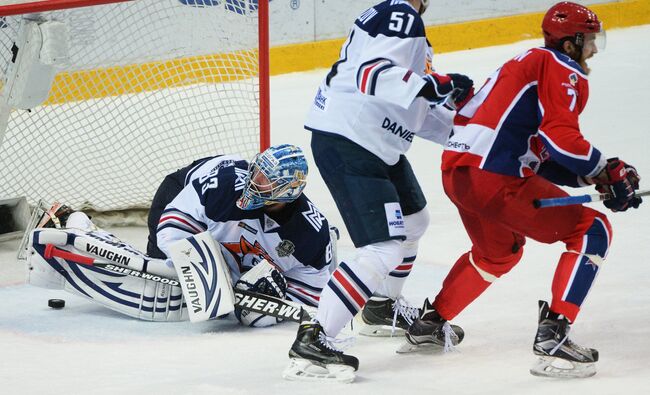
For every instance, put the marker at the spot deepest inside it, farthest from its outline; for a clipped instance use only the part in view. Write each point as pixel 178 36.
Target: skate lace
pixel 334 344
pixel 402 307
pixel 559 344
pixel 448 332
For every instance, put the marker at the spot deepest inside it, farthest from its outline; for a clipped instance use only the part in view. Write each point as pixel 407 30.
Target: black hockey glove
pixel 439 87
pixel 620 180
pixel 463 86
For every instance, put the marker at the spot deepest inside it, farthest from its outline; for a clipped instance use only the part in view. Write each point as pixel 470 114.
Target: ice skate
pixel 431 332
pixel 55 217
pixel 387 317
pixel 313 358
pixel 558 355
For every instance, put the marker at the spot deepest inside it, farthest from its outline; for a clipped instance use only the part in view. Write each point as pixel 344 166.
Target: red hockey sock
pixel 462 285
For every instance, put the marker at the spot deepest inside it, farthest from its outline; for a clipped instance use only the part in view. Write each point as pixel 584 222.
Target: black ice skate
pixel 431 332
pixel 55 217
pixel 558 355
pixel 387 317
pixel 312 357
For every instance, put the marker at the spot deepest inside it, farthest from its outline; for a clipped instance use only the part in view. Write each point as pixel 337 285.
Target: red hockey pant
pixel 498 214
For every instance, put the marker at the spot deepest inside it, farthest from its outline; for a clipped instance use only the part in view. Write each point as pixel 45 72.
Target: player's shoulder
pixel 211 166
pixel 220 184
pixel 308 231
pixel 559 62
pixel 392 18
pixel 310 216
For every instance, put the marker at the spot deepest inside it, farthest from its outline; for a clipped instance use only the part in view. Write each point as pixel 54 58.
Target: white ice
pixel 85 348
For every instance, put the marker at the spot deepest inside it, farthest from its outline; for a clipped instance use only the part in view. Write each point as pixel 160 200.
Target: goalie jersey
pixel 297 241
pixel 369 95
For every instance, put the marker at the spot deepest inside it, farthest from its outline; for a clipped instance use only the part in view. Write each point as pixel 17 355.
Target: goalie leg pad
pixel 204 276
pixel 135 297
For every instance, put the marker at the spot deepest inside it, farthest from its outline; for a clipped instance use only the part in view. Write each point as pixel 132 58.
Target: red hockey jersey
pixel 527 114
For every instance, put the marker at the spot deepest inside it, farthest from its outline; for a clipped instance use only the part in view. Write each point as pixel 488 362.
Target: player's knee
pixel 416 225
pixel 491 268
pixel 378 258
pixel 598 236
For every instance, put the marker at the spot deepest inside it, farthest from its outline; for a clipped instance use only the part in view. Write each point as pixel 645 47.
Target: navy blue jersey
pixel 296 240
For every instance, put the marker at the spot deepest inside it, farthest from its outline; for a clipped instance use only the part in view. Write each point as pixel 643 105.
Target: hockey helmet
pixel 567 20
pixel 423 5
pixel 277 175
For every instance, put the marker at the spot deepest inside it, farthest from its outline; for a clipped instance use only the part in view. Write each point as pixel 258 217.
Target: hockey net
pixel 140 89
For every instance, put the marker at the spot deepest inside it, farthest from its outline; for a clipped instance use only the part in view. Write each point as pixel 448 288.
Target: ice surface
pixel 85 348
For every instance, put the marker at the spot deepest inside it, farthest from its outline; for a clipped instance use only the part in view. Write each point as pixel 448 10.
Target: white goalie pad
pixel 204 277
pixel 143 298
pixel 40 46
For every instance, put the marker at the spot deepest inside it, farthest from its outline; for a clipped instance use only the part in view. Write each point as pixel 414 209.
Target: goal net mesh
pixel 148 87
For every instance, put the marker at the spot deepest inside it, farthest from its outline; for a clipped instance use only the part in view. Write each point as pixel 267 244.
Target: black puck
pixel 56 303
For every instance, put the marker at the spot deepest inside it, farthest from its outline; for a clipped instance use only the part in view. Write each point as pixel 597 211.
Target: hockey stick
pixel 569 200
pixel 270 305
pixel 52 251
pixel 246 300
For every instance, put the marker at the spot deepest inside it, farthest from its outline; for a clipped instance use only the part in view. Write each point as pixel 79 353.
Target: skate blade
pixel 562 368
pixel 305 370
pixel 425 348
pixel 381 331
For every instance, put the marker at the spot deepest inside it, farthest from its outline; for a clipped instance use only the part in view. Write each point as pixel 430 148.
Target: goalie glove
pixel 439 87
pixel 263 278
pixel 620 181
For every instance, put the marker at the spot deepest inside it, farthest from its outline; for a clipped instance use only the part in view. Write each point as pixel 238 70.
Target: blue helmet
pixel 277 175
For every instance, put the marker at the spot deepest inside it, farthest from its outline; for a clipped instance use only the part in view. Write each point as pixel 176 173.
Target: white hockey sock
pixel 416 225
pixel 394 283
pixel 352 284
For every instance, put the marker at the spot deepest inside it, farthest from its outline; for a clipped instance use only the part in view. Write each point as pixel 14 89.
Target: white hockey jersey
pixel 297 242
pixel 369 95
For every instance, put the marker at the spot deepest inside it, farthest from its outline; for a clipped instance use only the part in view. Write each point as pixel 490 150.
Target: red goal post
pixel 25 7
pixel 147 87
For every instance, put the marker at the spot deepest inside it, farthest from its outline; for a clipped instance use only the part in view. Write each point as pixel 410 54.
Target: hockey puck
pixel 56 303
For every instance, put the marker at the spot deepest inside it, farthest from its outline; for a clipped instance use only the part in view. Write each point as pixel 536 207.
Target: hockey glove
pixel 263 278
pixel 463 88
pixel 619 180
pixel 439 87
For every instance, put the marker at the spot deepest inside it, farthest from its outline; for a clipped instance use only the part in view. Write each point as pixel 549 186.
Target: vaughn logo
pixel 397 130
pixel 110 255
pixel 193 297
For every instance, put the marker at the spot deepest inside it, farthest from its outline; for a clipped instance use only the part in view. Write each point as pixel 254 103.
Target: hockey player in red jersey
pixel 515 141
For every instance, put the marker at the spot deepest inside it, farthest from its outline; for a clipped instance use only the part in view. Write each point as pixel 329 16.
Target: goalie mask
pixel 277 175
